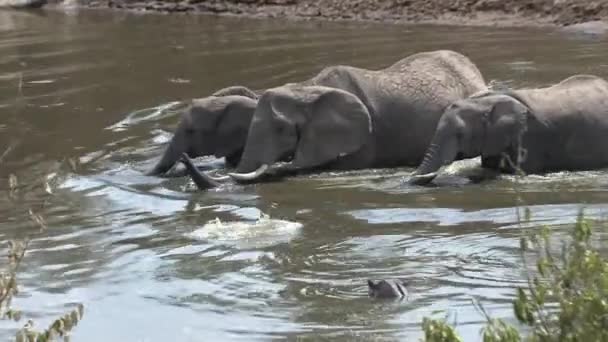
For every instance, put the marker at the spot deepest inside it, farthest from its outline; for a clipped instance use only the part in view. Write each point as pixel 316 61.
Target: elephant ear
pixel 233 124
pixel 338 124
pixel 506 122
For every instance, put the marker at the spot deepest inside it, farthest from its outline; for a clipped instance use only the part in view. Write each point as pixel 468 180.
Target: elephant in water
pixel 352 118
pixel 215 125
pixel 562 127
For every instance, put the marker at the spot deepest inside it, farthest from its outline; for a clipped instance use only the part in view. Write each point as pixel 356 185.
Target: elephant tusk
pixel 249 176
pixel 423 179
pixel 219 178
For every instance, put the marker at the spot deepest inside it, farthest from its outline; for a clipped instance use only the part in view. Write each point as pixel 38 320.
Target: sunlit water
pixel 88 102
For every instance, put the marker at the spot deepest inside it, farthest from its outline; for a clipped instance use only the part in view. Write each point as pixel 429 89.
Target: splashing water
pixel 264 231
pixel 156 113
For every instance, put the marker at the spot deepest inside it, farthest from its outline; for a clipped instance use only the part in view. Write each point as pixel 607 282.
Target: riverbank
pixel 459 12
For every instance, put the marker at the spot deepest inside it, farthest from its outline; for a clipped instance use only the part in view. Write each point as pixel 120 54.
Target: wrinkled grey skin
pixel 352 118
pixel 215 125
pixel 562 127
pixel 386 290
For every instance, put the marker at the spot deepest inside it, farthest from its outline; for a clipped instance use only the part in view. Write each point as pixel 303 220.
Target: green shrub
pixel 439 331
pixel 62 326
pixel 565 300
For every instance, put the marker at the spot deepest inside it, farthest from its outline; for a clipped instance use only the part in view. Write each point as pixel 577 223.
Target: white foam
pixel 265 231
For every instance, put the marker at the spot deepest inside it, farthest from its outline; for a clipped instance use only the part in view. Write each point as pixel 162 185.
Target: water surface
pixel 88 102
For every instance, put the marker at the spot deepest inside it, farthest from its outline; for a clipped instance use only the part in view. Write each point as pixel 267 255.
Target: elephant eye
pixel 189 130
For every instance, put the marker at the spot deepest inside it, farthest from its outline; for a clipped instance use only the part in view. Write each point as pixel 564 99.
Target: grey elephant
pixel 215 125
pixel 561 127
pixel 352 118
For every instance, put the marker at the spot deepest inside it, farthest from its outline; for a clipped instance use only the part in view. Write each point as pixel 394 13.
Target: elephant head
pixel 383 289
pixel 309 125
pixel 486 125
pixel 215 125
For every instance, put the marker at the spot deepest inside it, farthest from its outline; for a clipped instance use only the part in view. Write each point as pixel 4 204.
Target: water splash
pixel 262 232
pixel 138 116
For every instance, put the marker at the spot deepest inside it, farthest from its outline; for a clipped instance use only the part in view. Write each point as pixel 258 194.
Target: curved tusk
pixel 249 176
pixel 423 179
pixel 219 178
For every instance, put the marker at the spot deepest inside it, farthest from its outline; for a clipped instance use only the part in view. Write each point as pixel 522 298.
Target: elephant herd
pixel 426 111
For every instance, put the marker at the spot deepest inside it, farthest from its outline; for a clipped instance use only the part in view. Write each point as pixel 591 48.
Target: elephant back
pixel 456 70
pixel 582 81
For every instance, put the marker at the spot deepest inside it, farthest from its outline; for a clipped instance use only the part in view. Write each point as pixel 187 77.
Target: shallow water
pixel 88 101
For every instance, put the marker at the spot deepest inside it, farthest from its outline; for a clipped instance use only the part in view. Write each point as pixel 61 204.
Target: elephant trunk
pixel 264 168
pixel 202 181
pixel 431 162
pixel 171 155
pixel 437 155
pixel 232 160
pixel 266 173
pixel 248 164
pixel 261 148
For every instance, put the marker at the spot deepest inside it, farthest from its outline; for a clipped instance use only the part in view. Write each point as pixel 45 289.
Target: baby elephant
pixel 215 125
pixel 386 290
pixel 562 127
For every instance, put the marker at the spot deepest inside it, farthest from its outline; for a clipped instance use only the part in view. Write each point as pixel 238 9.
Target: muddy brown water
pixel 88 101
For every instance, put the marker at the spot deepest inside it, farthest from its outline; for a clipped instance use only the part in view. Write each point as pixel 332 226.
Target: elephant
pixel 383 289
pixel 215 125
pixel 563 127
pixel 349 118
pixel 430 81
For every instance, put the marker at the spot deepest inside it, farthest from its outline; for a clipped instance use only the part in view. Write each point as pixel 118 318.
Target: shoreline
pixel 497 13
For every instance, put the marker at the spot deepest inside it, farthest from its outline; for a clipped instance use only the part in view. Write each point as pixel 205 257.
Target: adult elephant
pixel 215 125
pixel 562 127
pixel 352 118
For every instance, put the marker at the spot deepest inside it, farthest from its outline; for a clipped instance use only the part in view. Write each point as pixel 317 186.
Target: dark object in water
pixel 385 290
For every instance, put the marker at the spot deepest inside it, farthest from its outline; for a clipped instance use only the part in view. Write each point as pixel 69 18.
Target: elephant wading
pixel 352 118
pixel 215 125
pixel 562 127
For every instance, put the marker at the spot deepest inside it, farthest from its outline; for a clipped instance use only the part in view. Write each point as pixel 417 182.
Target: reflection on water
pixel 88 101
